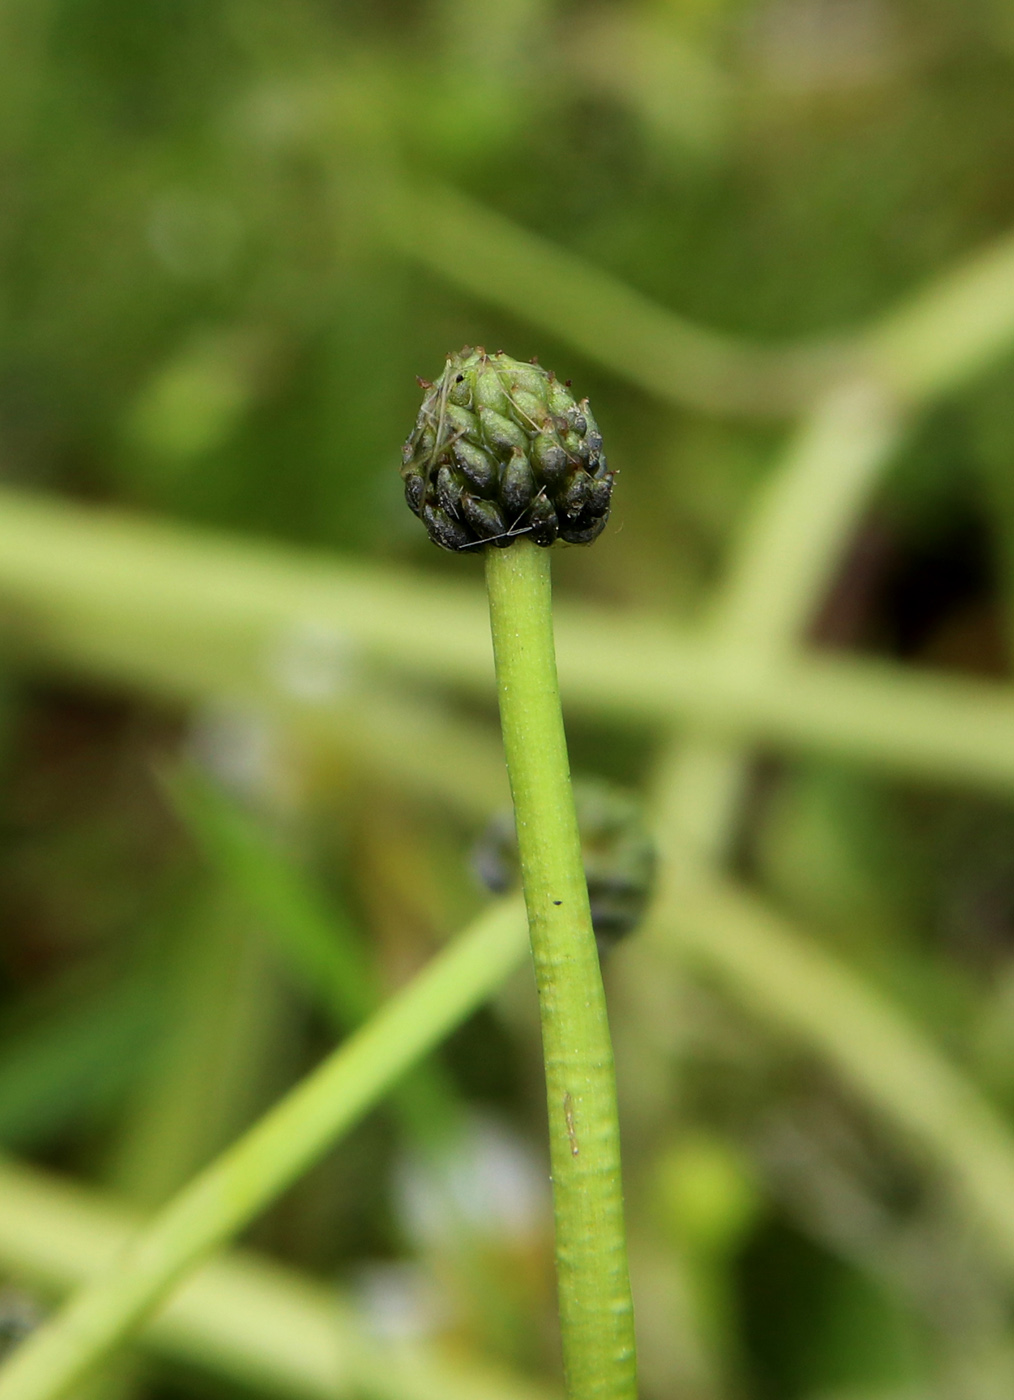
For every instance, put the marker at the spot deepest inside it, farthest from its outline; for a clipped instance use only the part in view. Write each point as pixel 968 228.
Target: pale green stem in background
pixel 260 1324
pixel 253 1321
pixel 267 1159
pixel 871 1045
pixel 795 537
pixel 936 338
pixel 785 562
pixel 782 565
pixel 184 614
pixel 596 1314
pixel 499 262
pixel 802 522
pixel 950 329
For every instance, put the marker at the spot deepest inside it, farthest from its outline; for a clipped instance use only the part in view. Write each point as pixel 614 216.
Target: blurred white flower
pixel 489 1181
pixel 313 661
pixel 398 1301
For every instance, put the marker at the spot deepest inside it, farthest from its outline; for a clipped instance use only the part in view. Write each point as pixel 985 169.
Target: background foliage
pixel 242 783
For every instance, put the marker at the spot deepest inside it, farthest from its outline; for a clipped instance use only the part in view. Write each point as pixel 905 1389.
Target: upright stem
pixel 596 1315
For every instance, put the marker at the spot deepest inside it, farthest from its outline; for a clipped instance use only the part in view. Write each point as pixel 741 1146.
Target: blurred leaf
pixel 73 1064
pixel 193 404
pixel 317 939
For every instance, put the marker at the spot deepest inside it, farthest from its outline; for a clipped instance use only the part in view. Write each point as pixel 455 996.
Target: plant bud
pixel 501 449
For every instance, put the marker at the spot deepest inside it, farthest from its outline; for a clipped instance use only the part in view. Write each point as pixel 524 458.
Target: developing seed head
pixel 501 449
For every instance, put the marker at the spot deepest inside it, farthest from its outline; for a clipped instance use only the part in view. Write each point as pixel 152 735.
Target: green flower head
pixel 500 449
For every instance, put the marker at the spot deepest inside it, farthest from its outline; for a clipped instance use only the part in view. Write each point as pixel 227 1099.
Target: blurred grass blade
pixel 269 1158
pixel 78 1060
pixel 213 1067
pixel 318 942
pixel 251 1321
pixel 313 935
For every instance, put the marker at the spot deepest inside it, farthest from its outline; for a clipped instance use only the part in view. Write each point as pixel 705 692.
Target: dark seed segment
pixel 544 524
pixel 477 467
pixel 598 497
pixel 500 449
pixel 583 534
pixel 485 517
pixel 415 491
pixel 448 491
pixel 550 458
pixel 517 490
pixel 575 498
pixel 447 533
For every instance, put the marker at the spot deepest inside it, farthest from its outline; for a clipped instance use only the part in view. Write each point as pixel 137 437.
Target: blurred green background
pixel 245 761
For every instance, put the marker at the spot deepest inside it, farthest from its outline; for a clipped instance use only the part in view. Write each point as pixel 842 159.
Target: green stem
pixel 182 615
pixel 267 1159
pixel 259 1326
pixel 596 1314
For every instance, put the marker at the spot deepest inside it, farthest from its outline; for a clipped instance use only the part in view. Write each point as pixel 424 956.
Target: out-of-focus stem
pixel 288 1140
pixel 252 1321
pixel 184 614
pixel 766 965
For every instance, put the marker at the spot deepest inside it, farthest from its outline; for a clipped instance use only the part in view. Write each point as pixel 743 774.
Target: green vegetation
pixel 249 729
